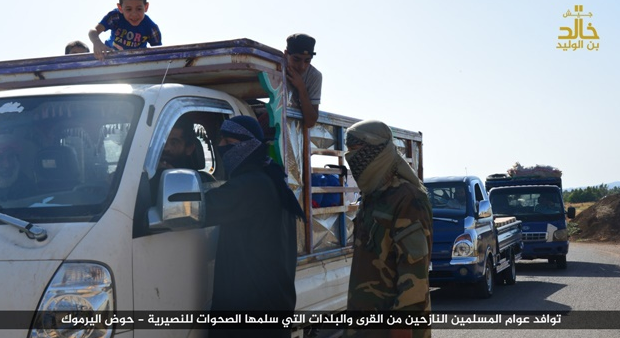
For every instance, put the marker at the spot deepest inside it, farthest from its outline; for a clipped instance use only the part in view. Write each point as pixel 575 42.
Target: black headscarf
pixel 252 150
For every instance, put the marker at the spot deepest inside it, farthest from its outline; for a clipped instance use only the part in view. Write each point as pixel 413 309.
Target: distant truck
pixel 94 234
pixel 537 202
pixel 471 245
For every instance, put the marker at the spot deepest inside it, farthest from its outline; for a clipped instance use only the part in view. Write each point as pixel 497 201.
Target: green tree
pixel 589 194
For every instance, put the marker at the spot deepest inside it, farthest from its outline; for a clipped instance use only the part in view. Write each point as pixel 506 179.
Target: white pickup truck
pixel 83 230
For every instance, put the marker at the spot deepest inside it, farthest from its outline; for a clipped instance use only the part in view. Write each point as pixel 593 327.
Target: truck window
pixel 189 144
pixel 533 202
pixel 451 198
pixel 69 148
pixel 478 192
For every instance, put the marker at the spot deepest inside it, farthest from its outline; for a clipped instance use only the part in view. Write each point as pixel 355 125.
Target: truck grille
pixel 534 236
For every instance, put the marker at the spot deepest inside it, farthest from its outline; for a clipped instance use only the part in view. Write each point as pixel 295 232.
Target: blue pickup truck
pixel 470 245
pixel 537 203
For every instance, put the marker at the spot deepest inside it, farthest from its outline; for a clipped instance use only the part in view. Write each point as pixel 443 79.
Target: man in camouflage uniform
pixel 392 233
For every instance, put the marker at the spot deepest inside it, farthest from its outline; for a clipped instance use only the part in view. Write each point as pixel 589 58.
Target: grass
pixel 579 207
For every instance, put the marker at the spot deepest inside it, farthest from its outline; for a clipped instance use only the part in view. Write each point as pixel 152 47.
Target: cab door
pixel 173 269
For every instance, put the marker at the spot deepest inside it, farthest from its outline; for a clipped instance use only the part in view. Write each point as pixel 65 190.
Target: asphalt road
pixel 590 283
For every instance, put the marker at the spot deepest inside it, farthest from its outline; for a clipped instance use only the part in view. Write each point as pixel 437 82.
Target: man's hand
pixel 295 78
pixel 309 111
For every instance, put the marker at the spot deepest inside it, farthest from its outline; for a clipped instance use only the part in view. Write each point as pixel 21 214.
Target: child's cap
pixel 300 44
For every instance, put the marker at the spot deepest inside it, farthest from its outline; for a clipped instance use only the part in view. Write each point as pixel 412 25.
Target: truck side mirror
pixel 571 212
pixel 179 201
pixel 484 209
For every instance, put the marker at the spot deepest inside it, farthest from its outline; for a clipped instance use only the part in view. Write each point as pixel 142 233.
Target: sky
pixel 483 80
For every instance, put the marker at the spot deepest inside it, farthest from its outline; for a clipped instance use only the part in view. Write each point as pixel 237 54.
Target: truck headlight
pixel 79 289
pixel 560 235
pixel 463 246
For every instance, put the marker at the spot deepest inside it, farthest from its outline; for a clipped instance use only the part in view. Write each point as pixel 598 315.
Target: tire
pixel 510 275
pixel 486 287
pixel 560 262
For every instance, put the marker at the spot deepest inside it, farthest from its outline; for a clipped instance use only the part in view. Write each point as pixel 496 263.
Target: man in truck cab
pixel 305 80
pixel 459 200
pixel 180 145
pixel 182 150
pixel 545 205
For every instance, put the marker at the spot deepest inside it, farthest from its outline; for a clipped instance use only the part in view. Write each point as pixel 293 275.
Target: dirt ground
pixel 600 222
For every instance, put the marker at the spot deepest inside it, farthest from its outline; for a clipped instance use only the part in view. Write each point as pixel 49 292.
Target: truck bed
pixel 508 232
pixel 230 66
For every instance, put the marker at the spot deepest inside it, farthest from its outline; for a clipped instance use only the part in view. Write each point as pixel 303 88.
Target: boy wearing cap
pixel 305 80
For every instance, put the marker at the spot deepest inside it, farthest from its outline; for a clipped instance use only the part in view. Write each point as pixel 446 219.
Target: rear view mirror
pixel 484 209
pixel 179 201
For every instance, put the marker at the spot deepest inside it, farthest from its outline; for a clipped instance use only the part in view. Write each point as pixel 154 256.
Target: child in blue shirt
pixel 130 28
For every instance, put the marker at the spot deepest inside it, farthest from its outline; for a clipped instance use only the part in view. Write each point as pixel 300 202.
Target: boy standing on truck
pixel 305 80
pixel 130 28
pixel 256 254
pixel 392 232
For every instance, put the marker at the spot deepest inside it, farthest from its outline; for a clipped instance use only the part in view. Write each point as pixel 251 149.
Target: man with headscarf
pixel 392 232
pixel 257 249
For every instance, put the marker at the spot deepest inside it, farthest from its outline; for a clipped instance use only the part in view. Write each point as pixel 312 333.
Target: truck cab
pixel 538 203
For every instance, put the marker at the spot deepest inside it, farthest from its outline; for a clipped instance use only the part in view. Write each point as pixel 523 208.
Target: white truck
pixel 89 234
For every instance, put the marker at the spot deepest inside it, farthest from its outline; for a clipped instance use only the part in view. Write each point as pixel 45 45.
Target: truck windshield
pixel 61 156
pixel 448 198
pixel 533 202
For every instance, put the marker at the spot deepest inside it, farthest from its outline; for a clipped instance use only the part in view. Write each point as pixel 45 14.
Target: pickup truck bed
pixel 508 232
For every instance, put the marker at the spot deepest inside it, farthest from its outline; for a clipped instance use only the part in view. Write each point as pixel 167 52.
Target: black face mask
pixel 224 149
pixel 230 156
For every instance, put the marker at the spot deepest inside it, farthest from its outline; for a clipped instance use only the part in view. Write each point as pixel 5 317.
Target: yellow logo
pixel 576 35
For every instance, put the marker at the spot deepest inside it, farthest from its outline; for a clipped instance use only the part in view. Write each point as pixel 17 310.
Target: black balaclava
pixel 252 150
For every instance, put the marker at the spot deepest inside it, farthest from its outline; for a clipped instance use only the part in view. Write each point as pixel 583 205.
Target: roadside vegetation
pixel 589 194
pixel 596 221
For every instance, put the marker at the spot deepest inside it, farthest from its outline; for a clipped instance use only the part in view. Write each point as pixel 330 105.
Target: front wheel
pixel 560 262
pixel 486 286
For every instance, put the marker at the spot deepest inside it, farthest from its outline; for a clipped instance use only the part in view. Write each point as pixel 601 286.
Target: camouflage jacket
pixel 392 249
